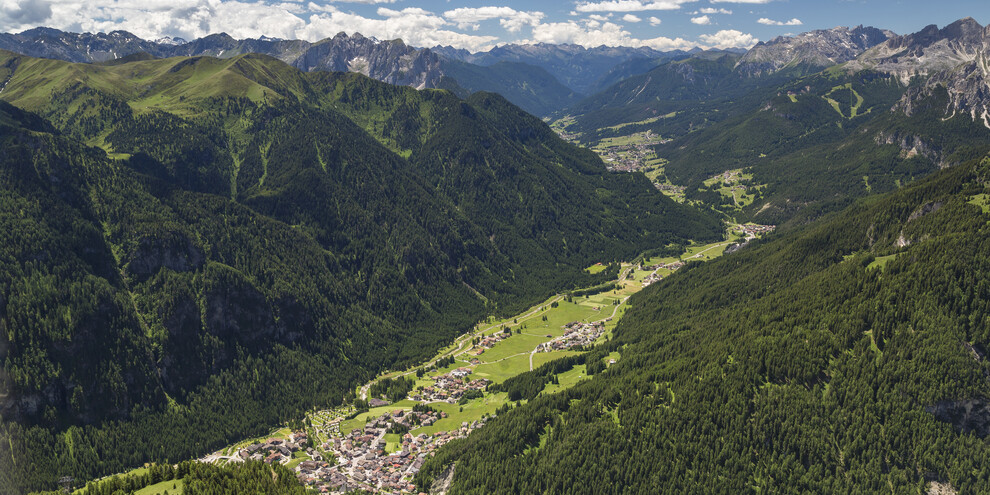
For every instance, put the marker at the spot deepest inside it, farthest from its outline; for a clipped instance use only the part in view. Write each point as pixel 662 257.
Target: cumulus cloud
pixel 606 33
pixel 630 5
pixel 701 20
pixel 315 19
pixel 729 38
pixel 771 22
pixel 511 19
pixel 191 19
pixel 712 10
pixel 28 13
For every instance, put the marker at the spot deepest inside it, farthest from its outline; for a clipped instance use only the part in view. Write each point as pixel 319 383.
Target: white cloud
pixel 316 19
pixel 607 33
pixel 192 19
pixel 701 20
pixel 711 10
pixel 510 19
pixel 630 5
pixel 729 38
pixel 771 22
pixel 13 13
pixel 741 1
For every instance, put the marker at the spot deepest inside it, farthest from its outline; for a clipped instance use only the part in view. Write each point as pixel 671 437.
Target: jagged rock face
pixel 822 48
pixel 955 58
pixel 912 145
pixel 173 251
pixel 967 416
pixel 925 52
pixel 390 61
pixel 75 47
pixel 968 88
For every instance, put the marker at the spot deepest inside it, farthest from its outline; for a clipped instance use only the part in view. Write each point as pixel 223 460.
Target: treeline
pixel 799 364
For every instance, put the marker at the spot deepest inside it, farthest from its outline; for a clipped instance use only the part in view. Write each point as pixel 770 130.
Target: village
pixel 277 450
pixel 576 333
pixel 753 230
pixel 450 387
pixel 654 270
pixel 363 462
pixel 632 156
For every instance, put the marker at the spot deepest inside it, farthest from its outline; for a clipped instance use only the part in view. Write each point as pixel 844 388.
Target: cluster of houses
pixel 450 387
pixel 672 266
pixel 631 157
pixel 277 449
pixel 669 188
pixel 729 176
pixel 364 464
pixel 488 342
pixel 575 333
pixel 652 279
pixel 753 229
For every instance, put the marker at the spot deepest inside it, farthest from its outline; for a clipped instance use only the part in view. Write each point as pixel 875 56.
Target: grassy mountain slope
pixel 239 240
pixel 845 356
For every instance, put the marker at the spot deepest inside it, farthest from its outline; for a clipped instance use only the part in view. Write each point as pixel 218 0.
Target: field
pixel 171 487
pixel 596 268
pixel 982 201
pixel 735 184
pixel 881 262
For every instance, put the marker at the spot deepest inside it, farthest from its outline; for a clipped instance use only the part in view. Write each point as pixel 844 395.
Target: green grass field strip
pixel 172 487
pixel 881 262
pixel 981 201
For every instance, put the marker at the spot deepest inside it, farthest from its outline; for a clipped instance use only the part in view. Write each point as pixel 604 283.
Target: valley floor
pixel 380 449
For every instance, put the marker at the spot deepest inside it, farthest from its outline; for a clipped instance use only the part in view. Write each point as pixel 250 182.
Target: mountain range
pixel 876 109
pixel 538 78
pixel 205 239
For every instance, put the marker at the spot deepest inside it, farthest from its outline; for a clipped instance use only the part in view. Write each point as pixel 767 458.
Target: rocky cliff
pixel 815 49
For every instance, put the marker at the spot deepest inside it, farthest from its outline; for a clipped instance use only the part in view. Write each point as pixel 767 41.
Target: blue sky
pixel 480 24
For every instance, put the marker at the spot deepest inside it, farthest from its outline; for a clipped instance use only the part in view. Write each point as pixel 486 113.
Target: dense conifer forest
pixel 846 356
pixel 232 242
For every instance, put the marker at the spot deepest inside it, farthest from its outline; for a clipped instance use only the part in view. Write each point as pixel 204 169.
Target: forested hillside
pixel 847 356
pixel 230 242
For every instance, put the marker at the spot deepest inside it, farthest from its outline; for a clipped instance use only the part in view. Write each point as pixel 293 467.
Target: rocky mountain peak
pixel 925 52
pixel 821 48
pixel 954 60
